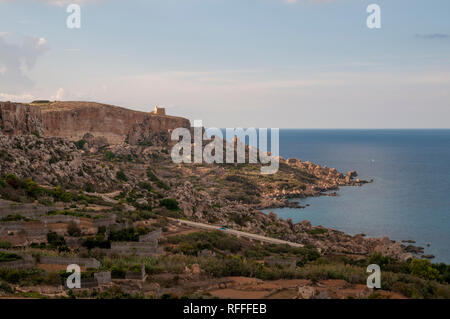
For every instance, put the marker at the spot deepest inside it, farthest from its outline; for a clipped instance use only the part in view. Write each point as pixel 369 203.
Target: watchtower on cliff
pixel 159 111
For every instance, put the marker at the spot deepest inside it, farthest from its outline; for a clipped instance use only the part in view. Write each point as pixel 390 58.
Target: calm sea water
pixel 410 195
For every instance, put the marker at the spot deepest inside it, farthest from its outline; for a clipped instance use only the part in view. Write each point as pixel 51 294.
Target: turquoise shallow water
pixel 410 195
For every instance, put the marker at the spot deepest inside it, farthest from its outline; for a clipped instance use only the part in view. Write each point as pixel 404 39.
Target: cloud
pixel 245 98
pixel 17 97
pixel 309 99
pixel 16 60
pixel 59 95
pixel 433 36
pixel 37 93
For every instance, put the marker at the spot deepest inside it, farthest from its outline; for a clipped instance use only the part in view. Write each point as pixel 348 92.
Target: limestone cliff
pixel 18 119
pixel 72 120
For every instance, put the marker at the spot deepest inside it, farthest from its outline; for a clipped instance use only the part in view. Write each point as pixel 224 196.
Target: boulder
pixel 306 292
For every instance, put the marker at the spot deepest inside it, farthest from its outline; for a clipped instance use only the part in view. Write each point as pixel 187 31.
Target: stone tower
pixel 159 111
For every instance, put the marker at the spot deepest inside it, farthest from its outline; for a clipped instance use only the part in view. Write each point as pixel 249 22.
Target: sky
pixel 237 63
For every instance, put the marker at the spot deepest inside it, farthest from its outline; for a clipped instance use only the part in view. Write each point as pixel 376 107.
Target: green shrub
pixel 53 278
pixel 422 268
pixel 306 255
pixel 240 218
pixel 15 276
pixel 156 180
pixel 388 263
pixel 96 242
pixel 5 244
pixel 121 176
pixel 80 144
pixel 146 186
pixel 14 217
pixel 444 270
pixel 192 244
pixel 60 194
pixel 8 257
pixel 127 234
pixel 118 272
pixel 6 288
pixel 55 240
pixel 109 156
pixel 15 189
pixel 73 229
pixel 88 187
pixel 32 188
pixel 317 231
pixel 12 180
pixel 169 203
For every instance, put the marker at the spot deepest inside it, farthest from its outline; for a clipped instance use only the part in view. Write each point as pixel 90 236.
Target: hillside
pixel 111 197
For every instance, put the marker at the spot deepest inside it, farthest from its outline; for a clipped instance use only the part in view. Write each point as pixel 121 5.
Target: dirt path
pixel 238 233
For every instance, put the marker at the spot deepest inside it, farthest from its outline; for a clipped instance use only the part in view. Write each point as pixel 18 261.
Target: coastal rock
pixel 352 174
pixel 304 225
pixel 414 249
pixel 273 216
pixel 393 249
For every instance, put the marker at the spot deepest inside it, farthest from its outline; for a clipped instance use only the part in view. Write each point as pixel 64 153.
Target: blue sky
pixel 262 63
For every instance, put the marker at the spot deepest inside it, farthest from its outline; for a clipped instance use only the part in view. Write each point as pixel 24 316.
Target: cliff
pixel 20 119
pixel 72 120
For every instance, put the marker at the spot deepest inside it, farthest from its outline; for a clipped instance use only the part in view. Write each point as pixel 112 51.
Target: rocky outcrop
pixel 388 247
pixel 92 144
pixel 52 161
pixel 152 131
pixel 16 118
pixel 72 120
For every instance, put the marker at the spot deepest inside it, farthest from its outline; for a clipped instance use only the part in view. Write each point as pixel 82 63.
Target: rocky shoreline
pixel 287 200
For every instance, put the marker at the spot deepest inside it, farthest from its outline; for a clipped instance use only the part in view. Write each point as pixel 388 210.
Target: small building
pixel 159 111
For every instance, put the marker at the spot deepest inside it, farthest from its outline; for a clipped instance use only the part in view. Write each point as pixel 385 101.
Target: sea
pixel 409 198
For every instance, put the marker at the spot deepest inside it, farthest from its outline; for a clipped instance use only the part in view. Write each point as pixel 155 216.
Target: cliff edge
pixel 72 120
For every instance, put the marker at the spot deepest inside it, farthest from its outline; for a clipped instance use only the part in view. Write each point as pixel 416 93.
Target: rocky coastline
pixel 218 194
